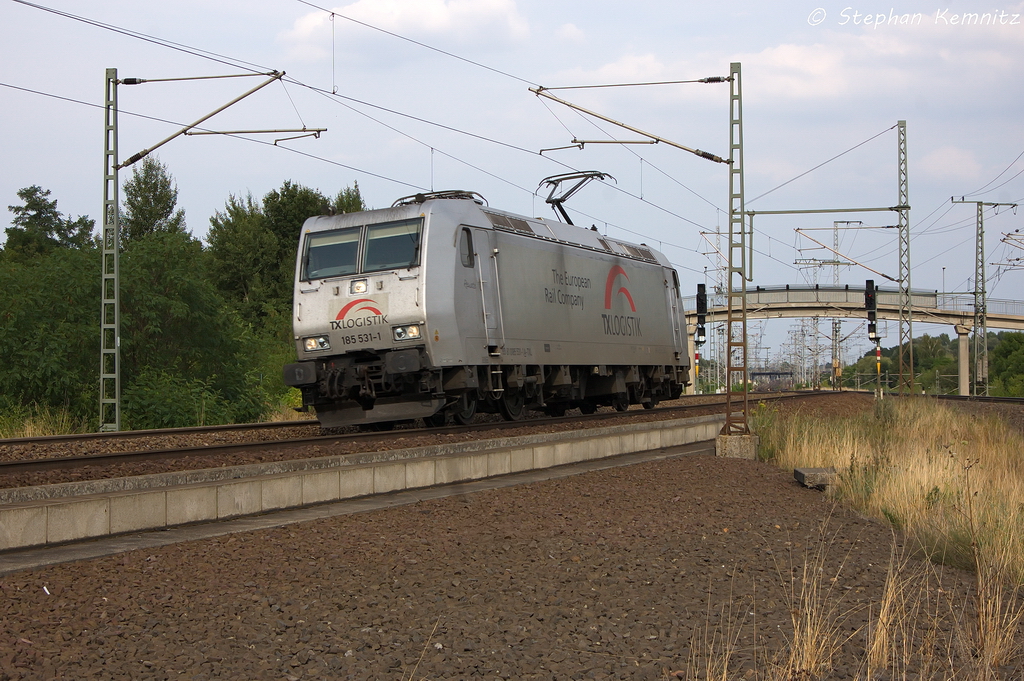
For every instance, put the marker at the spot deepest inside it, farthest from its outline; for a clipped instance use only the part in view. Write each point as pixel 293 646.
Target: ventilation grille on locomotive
pixel 506 222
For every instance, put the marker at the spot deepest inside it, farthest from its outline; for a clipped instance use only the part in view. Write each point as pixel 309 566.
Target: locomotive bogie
pixel 443 306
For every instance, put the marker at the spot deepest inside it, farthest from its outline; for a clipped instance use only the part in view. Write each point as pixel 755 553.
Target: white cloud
pixel 950 163
pixel 571 33
pixel 461 21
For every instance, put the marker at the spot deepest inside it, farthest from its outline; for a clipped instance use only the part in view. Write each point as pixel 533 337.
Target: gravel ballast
pixel 614 574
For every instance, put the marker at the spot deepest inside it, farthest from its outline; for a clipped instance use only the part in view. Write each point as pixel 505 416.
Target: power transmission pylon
pixel 110 307
pixel 906 309
pixel 736 406
pixel 980 386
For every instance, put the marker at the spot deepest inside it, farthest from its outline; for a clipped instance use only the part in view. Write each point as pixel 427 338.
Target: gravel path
pixel 616 574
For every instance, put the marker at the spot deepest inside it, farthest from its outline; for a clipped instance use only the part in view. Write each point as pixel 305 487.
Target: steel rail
pixel 110 458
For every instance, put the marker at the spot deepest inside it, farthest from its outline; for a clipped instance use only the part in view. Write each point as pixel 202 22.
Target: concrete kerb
pixel 49 514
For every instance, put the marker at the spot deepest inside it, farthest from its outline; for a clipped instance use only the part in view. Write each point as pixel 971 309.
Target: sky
pixel 420 95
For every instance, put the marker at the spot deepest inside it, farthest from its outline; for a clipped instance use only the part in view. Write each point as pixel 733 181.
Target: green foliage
pixel 38 227
pixel 150 198
pixel 349 200
pixel 244 262
pixel 1006 364
pixel 50 332
pixel 204 333
pixel 157 399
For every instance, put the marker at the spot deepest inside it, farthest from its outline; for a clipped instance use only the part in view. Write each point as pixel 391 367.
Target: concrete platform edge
pixel 35 516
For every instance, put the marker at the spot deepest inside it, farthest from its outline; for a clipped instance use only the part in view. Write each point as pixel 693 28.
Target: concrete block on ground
pixel 138 511
pixel 818 478
pixel 737 446
pixel 191 505
pixel 22 527
pixel 77 520
pixel 239 498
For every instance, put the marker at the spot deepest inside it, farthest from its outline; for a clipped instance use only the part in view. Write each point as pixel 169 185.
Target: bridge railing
pixel 849 296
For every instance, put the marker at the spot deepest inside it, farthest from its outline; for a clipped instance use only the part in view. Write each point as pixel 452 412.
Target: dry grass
pixel 39 421
pixel 954 486
pixel 815 611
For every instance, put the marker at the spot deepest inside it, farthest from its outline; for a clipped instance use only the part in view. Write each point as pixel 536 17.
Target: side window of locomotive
pixel 466 247
pixel 392 245
pixel 331 254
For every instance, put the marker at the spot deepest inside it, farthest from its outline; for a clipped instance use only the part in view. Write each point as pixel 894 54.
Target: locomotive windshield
pixel 332 254
pixel 387 246
pixel 392 245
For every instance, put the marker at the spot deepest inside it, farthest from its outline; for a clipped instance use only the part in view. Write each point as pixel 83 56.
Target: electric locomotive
pixel 441 306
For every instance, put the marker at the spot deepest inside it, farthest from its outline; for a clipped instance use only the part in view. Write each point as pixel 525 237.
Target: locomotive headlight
pixel 357 287
pixel 314 343
pixel 402 333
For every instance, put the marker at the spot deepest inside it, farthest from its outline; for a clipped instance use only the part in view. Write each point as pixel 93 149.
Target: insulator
pixel 714 79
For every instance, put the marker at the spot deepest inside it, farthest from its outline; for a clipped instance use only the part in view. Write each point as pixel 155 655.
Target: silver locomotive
pixel 442 306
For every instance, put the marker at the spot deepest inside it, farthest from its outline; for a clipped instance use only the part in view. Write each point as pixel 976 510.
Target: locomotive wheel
pixel 464 410
pixel 588 408
pixel 512 404
pixel 620 402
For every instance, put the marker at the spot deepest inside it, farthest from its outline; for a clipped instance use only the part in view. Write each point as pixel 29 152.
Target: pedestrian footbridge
pixel 931 307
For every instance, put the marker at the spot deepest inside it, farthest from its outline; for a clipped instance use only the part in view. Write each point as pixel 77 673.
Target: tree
pixel 150 198
pixel 349 200
pixel 38 227
pixel 243 252
pixel 1006 364
pixel 50 331
pixel 181 342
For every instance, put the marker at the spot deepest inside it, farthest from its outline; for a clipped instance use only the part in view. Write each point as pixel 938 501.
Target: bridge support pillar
pixel 964 359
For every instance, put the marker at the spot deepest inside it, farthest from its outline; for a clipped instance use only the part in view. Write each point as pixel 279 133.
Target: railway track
pixel 980 399
pixel 188 454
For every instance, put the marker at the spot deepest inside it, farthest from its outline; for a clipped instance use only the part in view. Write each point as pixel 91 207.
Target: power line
pixel 194 51
pixel 236 63
pixel 240 137
pixel 420 44
pixel 980 191
pixel 820 165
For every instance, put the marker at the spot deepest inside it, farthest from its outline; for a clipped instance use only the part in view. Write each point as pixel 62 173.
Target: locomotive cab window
pixel 331 254
pixel 392 245
pixel 466 247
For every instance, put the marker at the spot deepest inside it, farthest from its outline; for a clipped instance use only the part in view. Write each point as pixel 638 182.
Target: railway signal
pixel 702 311
pixel 871 305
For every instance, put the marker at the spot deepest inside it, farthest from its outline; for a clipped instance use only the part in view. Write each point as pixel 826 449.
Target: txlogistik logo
pixel 357 321
pixel 619 324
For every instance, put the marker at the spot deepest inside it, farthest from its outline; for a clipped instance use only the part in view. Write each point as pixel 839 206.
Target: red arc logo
pixel 368 308
pixel 609 287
